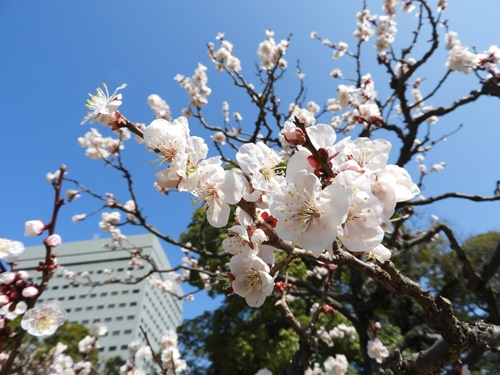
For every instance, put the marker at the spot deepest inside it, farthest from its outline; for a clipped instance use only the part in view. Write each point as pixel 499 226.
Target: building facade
pixel 123 308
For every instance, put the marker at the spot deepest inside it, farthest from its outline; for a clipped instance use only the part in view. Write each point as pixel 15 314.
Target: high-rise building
pixel 124 308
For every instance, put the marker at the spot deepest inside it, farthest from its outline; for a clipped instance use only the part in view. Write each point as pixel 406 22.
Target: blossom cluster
pixel 460 59
pixel 271 53
pixel 196 86
pixel 347 191
pixel 171 360
pixel 337 365
pixel 224 55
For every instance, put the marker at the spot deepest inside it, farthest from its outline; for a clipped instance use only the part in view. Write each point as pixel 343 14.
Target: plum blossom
pixel 102 107
pixel 309 215
pixel 270 52
pixel 340 50
pixel 336 365
pixel 196 86
pixel 364 30
pixel 10 250
pixel 78 217
pixel 261 163
pixel 361 231
pixel 251 279
pixel 160 107
pixel 219 138
pixel 380 252
pixel 386 33
pixel 363 155
pixel 343 96
pixel 377 350
pixel 460 59
pixel 45 319
pixel 217 189
pixel 167 139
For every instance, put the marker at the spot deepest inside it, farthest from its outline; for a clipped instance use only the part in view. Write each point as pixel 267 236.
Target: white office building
pixel 123 308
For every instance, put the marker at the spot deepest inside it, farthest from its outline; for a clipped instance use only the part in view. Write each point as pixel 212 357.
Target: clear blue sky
pixel 54 52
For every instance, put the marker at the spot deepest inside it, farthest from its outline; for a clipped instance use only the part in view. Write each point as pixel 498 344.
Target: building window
pixel 135 291
pixel 93 295
pixel 100 307
pixel 107 319
pixel 88 308
pixel 133 303
pixel 112 348
pixel 125 291
pixel 115 333
pixel 119 318
pixel 114 293
pixel 123 304
pixel 123 347
pixel 111 306
pixel 85 322
pixel 71 298
pixel 127 332
pixel 78 309
pixel 130 317
pixel 104 294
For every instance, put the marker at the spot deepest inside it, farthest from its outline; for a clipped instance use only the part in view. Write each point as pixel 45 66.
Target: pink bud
pixel 53 240
pixel 7 277
pixel 293 134
pixel 377 326
pixel 22 275
pixel 30 292
pixel 33 228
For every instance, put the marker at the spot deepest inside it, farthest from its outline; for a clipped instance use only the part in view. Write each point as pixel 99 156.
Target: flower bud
pixel 293 134
pixel 53 240
pixel 7 278
pixel 22 275
pixel 33 228
pixel 30 292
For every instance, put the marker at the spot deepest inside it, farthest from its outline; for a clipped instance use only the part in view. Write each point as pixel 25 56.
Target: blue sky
pixel 55 52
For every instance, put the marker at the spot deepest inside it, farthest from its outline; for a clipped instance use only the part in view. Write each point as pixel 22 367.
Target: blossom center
pixel 43 322
pixel 252 279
